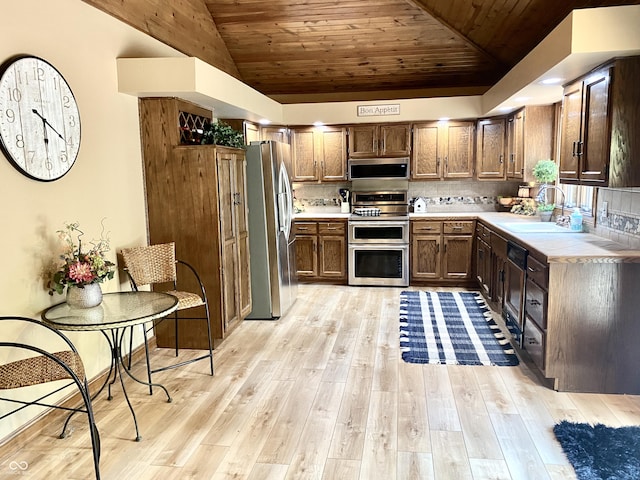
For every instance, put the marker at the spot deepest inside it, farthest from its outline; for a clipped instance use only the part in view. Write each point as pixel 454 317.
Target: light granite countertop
pixel 562 247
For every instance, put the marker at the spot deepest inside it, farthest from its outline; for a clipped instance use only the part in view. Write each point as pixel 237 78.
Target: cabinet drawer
pixel 535 304
pixel 538 271
pixel 305 228
pixel 483 233
pixel 464 227
pixel 426 227
pixel 331 228
pixel 534 343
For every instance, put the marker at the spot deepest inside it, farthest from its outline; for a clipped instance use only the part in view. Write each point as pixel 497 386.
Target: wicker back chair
pixel 42 366
pixel 156 264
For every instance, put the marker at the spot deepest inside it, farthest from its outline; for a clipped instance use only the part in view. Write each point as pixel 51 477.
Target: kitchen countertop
pixel 555 247
pixel 313 215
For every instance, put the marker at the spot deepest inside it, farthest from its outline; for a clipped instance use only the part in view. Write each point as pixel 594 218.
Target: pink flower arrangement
pixel 81 268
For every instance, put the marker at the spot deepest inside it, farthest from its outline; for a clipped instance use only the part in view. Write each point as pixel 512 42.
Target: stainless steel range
pixel 379 238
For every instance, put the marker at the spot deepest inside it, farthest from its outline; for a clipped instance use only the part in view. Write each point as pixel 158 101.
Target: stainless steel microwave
pixel 378 168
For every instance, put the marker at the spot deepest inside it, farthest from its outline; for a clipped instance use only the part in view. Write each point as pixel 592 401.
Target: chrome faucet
pixel 542 194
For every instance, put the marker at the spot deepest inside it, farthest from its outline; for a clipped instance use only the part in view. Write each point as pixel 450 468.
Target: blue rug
pixel 452 328
pixel 598 452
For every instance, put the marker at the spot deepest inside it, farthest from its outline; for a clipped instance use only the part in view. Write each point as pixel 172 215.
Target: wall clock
pixel 39 118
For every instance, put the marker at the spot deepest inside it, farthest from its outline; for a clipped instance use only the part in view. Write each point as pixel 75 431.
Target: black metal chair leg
pixel 176 325
pixel 146 354
pixel 207 319
pixel 131 344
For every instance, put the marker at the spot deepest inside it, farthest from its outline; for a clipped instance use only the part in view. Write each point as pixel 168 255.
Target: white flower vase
pixel 86 296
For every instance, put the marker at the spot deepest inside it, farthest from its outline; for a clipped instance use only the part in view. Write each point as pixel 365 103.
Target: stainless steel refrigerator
pixel 274 283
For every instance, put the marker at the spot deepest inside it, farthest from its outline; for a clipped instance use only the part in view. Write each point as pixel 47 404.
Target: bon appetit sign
pixel 378 110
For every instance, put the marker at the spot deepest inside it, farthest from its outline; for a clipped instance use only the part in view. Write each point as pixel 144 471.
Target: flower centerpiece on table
pixel 80 268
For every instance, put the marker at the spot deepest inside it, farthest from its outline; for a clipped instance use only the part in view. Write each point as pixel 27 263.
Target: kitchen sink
pixel 534 227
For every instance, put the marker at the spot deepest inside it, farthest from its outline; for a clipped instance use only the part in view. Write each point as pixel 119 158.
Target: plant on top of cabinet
pixel 221 133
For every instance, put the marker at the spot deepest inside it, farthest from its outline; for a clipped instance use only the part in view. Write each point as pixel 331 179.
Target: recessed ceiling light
pixel 264 121
pixel 551 81
pixel 318 124
pixel 505 109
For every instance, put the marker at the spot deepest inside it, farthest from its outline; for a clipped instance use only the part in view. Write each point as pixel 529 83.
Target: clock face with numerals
pixel 39 118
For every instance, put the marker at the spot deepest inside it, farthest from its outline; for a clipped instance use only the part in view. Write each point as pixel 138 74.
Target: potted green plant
pixel 545 210
pixel 220 133
pixel 545 172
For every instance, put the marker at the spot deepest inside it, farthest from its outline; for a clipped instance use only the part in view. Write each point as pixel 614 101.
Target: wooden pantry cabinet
pixel 196 197
pixel 379 140
pixel 441 251
pixel 442 150
pixel 319 154
pixel 321 250
pixel 600 139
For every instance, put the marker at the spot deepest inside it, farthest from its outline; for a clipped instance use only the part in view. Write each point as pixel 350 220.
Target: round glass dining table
pixel 117 312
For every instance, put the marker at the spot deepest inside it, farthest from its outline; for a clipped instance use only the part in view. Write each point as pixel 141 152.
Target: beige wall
pixel 106 181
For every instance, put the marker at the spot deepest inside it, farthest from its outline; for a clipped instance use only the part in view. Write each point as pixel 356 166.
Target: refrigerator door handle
pixel 285 209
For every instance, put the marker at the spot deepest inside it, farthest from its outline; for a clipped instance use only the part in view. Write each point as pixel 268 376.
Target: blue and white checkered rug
pixel 452 328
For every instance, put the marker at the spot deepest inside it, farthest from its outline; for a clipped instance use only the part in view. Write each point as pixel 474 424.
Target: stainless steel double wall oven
pixel 379 238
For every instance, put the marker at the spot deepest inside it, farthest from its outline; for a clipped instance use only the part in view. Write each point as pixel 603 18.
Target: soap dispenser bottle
pixel 575 221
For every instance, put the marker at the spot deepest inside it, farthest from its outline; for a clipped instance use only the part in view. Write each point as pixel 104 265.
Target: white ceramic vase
pixel 86 296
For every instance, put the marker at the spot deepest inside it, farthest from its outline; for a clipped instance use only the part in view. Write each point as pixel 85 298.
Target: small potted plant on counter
pixel 545 172
pixel 545 210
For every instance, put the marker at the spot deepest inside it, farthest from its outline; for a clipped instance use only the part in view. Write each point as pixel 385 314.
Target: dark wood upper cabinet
pixel 275 132
pixel 319 154
pixel 442 150
pixel 530 137
pixel 600 139
pixel 383 140
pixel 585 129
pixel 490 155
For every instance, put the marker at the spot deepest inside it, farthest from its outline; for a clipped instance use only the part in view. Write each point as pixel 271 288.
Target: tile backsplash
pixel 450 196
pixel 622 220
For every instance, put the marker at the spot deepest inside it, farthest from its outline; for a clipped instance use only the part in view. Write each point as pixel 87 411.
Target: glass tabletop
pixel 117 310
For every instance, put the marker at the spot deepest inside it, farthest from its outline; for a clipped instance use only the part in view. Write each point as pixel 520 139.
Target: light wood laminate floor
pixel 323 393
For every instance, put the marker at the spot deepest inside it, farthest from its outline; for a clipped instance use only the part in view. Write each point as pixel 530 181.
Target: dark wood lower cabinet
pixel 483 260
pixel 321 250
pixel 441 251
pixel 578 320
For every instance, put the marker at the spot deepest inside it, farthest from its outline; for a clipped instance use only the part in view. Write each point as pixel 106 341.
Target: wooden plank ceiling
pixel 327 50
